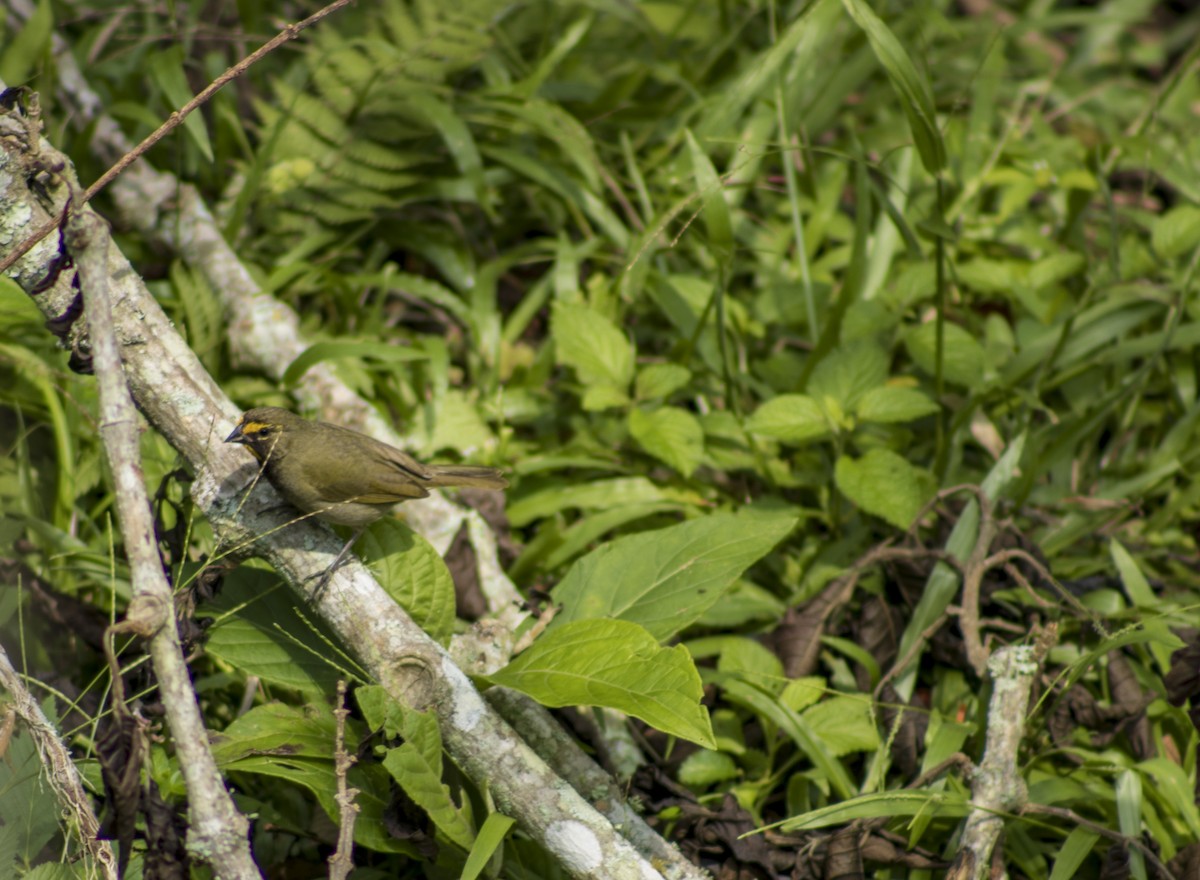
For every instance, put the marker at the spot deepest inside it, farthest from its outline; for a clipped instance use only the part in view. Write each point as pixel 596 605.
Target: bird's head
pixel 264 431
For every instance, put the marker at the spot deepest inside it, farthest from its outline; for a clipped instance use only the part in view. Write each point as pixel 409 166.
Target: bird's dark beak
pixel 237 436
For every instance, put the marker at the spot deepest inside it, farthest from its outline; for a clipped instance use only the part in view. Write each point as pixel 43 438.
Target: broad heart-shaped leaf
pixel 849 372
pixel 278 729
pixel 269 637
pixel 963 355
pixel 671 435
pixel 883 483
pixel 1177 231
pixel 600 397
pixel 889 404
pixel 592 344
pixel 413 574
pixel 792 418
pixel 654 380
pixel 618 665
pixel 665 579
pixel 845 723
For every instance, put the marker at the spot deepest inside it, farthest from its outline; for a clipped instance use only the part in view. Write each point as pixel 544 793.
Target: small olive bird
pixel 342 476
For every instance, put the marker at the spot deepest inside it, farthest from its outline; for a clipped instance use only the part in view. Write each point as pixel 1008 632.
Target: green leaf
pixel 800 693
pixel 1171 783
pixel 963 357
pixel 328 351
pixel 1055 268
pixel 949 804
pixel 793 725
pixel 64 871
pixel 916 97
pixel 665 579
pixel 1136 586
pixel 849 372
pixel 703 768
pixel 889 404
pixel 1177 231
pixel 457 137
pixel 277 729
pixel 886 485
pixel 593 345
pixel 792 418
pixel 295 744
pixel 417 767
pixel 845 723
pixel 379 709
pixel 671 435
pixel 487 842
pixel 457 425
pixel 743 603
pixel 413 573
pixel 269 637
pixel 751 660
pixel 601 397
pixel 591 527
pixel 1070 856
pixel 653 381
pixel 317 776
pixel 25 49
pixel 1130 807
pixel 166 66
pixel 618 665
pixel 596 495
pixel 712 196
pixel 28 808
pixel 942 584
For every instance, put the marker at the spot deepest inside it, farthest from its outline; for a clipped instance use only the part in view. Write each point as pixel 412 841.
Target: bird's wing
pixel 387 475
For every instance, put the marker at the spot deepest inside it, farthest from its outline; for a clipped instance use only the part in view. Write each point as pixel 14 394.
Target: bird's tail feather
pixel 467 476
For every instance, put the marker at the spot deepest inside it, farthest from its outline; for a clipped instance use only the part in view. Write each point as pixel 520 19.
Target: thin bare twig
pixel 289 32
pixel 341 863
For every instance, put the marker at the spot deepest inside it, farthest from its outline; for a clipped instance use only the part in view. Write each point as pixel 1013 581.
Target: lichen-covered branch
pixel 263 333
pixel 218 832
pixel 60 769
pixel 997 787
pixel 181 400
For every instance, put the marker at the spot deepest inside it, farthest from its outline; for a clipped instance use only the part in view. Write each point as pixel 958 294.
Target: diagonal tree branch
pixel 181 400
pixel 60 769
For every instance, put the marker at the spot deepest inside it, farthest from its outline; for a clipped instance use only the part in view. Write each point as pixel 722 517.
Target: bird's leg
pixel 337 561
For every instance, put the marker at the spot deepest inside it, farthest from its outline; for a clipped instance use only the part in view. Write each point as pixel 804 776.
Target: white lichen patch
pixel 469 708
pixel 575 844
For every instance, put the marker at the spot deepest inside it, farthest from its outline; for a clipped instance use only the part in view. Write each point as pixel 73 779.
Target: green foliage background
pixel 667 259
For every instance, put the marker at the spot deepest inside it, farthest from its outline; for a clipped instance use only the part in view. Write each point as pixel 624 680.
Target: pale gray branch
pixel 60 769
pixel 217 831
pixel 997 788
pixel 181 400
